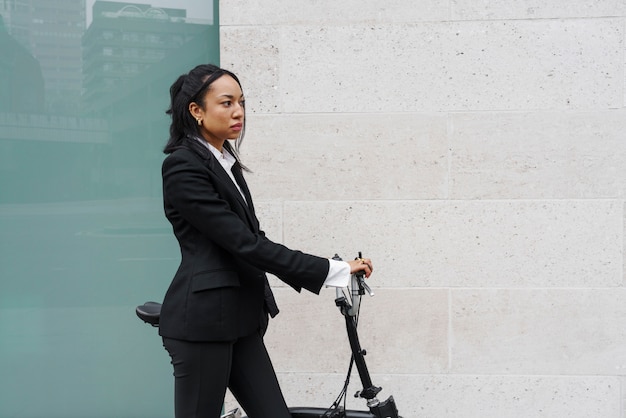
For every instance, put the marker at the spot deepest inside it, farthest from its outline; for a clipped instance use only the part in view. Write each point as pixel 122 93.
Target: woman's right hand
pixel 361 264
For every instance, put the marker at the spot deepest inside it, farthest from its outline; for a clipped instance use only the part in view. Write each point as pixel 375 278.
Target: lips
pixel 237 127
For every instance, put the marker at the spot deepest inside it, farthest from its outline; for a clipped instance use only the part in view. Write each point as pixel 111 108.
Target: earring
pixel 199 121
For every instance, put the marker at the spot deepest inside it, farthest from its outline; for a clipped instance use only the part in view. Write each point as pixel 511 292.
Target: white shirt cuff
pixel 338 274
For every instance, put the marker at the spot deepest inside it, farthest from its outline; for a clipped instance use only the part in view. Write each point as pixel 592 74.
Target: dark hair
pixel 188 88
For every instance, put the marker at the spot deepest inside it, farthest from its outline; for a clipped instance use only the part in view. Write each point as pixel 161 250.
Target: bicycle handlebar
pixel 356 288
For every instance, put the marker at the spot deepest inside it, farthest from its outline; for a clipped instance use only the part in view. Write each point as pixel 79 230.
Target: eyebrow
pixel 230 96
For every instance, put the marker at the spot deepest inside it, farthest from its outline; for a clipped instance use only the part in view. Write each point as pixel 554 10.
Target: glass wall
pixel 84 87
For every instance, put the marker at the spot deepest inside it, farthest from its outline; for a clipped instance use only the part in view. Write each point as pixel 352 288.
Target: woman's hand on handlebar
pixel 361 264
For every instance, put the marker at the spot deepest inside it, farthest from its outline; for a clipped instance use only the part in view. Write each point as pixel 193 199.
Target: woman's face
pixel 222 114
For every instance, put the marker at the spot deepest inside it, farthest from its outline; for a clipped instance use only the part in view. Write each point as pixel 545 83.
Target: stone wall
pixel 476 151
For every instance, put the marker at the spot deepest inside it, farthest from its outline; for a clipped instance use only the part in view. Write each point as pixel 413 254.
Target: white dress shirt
pixel 338 271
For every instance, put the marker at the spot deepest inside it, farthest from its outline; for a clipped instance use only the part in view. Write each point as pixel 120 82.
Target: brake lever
pixel 363 287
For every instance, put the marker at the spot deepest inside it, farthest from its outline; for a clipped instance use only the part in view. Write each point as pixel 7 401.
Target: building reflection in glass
pixel 104 87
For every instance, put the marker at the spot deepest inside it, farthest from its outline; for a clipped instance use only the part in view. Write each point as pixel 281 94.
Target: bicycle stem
pixel 385 409
pixel 369 391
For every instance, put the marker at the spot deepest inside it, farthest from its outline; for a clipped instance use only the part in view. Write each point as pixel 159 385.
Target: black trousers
pixel 203 371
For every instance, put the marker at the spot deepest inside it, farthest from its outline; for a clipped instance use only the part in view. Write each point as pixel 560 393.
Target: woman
pixel 216 309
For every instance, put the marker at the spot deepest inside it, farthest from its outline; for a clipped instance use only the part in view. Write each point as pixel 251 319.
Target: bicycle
pixel 349 304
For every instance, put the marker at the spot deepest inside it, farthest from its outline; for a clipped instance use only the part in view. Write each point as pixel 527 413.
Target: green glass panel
pixel 84 86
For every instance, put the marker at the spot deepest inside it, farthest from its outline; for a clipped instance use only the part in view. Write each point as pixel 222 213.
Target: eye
pixel 242 103
pixel 227 103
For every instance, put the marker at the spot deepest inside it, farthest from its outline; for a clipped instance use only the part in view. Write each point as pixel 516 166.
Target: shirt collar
pixel 225 158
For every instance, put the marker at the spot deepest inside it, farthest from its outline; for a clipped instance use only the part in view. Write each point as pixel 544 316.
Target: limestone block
pixel 483 396
pixel 327 12
pixel 468 243
pixel 534 9
pixel 539 331
pixel 402 330
pixel 348 156
pixel 253 55
pixel 270 215
pixel 447 66
pixel 538 155
pixel 623 381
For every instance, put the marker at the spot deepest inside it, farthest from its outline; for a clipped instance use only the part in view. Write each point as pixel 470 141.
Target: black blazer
pixel 220 290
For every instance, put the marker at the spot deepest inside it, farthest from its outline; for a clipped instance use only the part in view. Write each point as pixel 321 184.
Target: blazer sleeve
pixel 188 187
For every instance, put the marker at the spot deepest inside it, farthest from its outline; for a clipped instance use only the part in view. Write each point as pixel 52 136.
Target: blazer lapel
pixel 249 206
pixel 237 173
pixel 214 165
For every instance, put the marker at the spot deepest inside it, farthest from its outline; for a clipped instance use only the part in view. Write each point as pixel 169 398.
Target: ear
pixel 195 110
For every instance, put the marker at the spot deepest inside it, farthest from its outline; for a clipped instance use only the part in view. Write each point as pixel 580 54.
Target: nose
pixel 239 110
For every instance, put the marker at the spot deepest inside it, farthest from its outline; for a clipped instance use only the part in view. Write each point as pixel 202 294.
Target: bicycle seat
pixel 149 313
